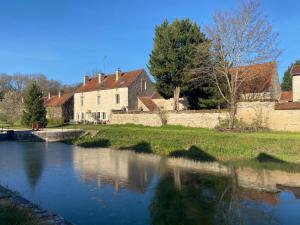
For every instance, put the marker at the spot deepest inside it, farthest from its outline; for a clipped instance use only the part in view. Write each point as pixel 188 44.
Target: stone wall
pixel 248 112
pixel 203 119
pixel 277 120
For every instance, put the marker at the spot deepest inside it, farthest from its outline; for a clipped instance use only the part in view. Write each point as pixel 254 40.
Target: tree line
pixel 21 91
pixel 208 67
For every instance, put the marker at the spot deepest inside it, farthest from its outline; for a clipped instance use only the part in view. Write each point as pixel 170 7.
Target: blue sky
pixel 64 39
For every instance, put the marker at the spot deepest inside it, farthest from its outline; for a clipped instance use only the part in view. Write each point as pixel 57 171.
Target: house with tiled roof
pixel 99 95
pixel 156 102
pixel 260 82
pixel 60 107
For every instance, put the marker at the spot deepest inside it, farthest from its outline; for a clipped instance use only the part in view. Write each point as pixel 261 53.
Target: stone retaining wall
pixel 249 112
pixel 203 119
pixel 43 215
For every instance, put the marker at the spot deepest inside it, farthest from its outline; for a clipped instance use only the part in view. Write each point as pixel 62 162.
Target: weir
pixel 47 135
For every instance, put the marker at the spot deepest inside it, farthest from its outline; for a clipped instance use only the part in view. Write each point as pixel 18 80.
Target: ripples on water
pixel 103 186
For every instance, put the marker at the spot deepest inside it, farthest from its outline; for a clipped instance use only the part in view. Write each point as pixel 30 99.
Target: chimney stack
pixel 100 75
pixel 85 79
pixel 118 74
pixel 59 93
pixel 49 95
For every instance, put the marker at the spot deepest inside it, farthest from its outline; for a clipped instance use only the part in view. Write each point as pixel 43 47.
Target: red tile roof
pixel 295 70
pixel 257 78
pixel 56 101
pixel 287 106
pixel 287 96
pixel 109 81
pixel 156 95
pixel 147 101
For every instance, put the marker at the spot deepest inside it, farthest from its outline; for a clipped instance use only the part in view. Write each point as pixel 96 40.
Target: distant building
pixel 290 100
pixel 156 102
pixel 260 82
pixel 60 106
pixel 100 95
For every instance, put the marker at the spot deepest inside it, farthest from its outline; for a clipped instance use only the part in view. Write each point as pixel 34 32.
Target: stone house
pixel 100 95
pixel 261 82
pixel 290 100
pixel 60 106
pixel 156 102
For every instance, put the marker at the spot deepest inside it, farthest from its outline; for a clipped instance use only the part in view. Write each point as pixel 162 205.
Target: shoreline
pixel 42 215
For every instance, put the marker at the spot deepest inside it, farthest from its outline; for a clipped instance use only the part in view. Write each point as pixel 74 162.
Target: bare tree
pixel 239 38
pixel 11 107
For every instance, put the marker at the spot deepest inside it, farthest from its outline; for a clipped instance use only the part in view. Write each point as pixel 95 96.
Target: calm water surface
pixel 103 186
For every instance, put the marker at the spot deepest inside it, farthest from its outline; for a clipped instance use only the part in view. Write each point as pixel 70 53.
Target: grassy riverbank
pixel 11 214
pixel 195 143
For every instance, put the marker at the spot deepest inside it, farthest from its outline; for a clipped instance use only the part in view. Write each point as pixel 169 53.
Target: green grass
pixel 12 215
pixel 194 142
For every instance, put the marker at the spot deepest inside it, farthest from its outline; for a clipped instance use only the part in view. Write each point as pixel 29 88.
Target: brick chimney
pixel 85 79
pixel 118 74
pixel 49 95
pixel 60 93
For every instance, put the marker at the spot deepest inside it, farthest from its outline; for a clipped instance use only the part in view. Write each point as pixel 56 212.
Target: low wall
pixel 264 112
pixel 277 120
pixel 203 119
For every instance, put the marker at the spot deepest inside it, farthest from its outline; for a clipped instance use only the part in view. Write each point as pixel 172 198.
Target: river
pixel 109 187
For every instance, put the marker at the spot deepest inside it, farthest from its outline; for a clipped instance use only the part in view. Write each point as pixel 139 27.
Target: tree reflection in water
pixel 183 198
pixel 33 161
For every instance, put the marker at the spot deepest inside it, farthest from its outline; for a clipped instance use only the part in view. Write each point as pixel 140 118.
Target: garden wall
pixel 203 119
pixel 248 112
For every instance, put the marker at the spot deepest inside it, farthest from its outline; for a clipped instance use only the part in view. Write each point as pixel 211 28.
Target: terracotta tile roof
pixel 109 81
pixel 287 96
pixel 56 101
pixel 147 101
pixel 257 78
pixel 287 106
pixel 295 70
pixel 156 95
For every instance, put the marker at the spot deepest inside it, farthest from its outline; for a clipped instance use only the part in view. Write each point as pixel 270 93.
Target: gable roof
pixel 257 78
pixel 147 101
pixel 156 95
pixel 109 81
pixel 287 106
pixel 287 96
pixel 56 101
pixel 295 70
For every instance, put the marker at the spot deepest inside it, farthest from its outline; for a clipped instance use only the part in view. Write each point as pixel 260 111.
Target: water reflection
pixel 122 169
pixel 81 184
pixel 33 161
pixel 190 192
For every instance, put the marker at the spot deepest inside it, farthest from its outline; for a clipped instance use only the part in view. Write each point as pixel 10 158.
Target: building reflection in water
pixel 122 169
pixel 190 192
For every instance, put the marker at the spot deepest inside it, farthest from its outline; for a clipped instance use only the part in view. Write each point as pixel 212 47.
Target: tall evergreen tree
pixel 173 56
pixel 287 81
pixel 34 110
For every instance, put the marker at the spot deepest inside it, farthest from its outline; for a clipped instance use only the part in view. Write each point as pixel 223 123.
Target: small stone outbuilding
pixel 60 106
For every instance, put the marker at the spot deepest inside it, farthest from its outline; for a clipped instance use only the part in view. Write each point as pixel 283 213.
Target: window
pixel 98 100
pixel 82 116
pixel 81 100
pixel 98 116
pixel 117 99
pixel 143 85
pixel 104 115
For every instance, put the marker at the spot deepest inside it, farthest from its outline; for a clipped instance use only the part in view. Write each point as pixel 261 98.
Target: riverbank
pixel 14 209
pixel 194 143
